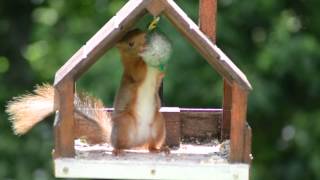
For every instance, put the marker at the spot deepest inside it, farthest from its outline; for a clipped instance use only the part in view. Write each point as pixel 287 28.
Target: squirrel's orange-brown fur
pixel 136 120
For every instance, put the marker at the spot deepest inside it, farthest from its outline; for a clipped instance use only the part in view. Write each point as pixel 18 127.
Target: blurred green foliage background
pixel 275 42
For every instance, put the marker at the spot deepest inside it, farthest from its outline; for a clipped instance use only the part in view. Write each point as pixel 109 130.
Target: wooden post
pixel 238 122
pixel 173 126
pixel 226 114
pixel 234 98
pixel 207 18
pixel 207 14
pixel 64 124
pixel 247 156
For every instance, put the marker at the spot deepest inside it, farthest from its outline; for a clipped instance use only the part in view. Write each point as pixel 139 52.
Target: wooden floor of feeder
pixel 190 161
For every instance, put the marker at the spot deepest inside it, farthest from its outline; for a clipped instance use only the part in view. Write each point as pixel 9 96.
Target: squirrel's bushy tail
pixel 93 121
pixel 27 110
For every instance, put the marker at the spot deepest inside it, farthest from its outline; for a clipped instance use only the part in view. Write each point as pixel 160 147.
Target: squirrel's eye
pixel 131 44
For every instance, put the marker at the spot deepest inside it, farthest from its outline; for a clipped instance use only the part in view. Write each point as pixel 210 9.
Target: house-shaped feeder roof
pixel 118 25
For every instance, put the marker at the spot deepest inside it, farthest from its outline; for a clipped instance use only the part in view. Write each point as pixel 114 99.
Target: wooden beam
pixel 145 166
pixel 64 124
pixel 227 105
pixel 238 122
pixel 208 18
pixel 200 123
pixel 103 40
pixel 215 57
pixel 247 154
pixel 173 126
pixel 180 123
pixel 155 7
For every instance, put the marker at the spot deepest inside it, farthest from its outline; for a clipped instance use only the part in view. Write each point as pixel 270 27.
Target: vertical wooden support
pixel 64 124
pixel 234 98
pixel 226 114
pixel 238 122
pixel 208 17
pixel 173 122
pixel 208 23
pixel 247 156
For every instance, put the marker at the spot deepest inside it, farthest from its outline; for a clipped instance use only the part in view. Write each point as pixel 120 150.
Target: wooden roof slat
pixel 200 41
pixel 104 39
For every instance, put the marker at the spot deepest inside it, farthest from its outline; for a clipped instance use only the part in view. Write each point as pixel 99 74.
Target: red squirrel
pixel 136 120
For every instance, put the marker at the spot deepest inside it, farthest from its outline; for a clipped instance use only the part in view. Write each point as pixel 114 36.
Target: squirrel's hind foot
pixel 117 152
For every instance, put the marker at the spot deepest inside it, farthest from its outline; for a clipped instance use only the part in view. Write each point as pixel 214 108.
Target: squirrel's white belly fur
pixel 146 106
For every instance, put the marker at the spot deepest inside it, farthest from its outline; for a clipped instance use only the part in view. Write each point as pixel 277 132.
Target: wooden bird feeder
pixel 226 123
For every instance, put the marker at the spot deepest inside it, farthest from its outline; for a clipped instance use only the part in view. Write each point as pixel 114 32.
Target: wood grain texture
pixel 215 57
pixel 238 122
pixel 154 167
pixel 104 39
pixel 247 154
pixel 227 106
pixel 155 7
pixel 200 124
pixel 173 127
pixel 64 124
pixel 208 18
pixel 180 122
